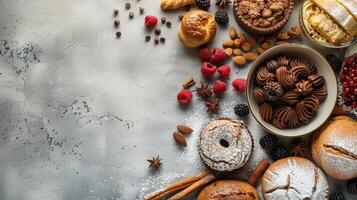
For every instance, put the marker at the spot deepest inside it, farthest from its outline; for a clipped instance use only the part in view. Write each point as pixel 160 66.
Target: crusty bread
pixel 175 4
pixel 228 189
pixel 294 178
pixel 334 148
pixel 197 28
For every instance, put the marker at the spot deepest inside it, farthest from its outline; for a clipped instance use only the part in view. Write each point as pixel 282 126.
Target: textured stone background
pixel 80 111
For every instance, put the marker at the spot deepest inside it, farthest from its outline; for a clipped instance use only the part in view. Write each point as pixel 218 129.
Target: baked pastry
pixel 334 148
pixel 225 144
pixel 294 178
pixel 174 4
pixel 197 27
pixel 228 189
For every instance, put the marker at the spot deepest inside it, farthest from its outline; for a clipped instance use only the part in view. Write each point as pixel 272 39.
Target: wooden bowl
pixel 258 30
pixel 323 68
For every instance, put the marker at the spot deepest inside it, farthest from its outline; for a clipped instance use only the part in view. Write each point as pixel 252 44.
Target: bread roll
pixel 175 4
pixel 334 148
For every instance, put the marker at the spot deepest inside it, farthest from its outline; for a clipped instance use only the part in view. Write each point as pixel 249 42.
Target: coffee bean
pixel 168 24
pixel 131 15
pixel 127 5
pixel 115 12
pixel 157 31
pixel 116 23
pixel 147 38
pixel 156 40
pixel 118 34
pixel 163 20
pixel 141 10
pixel 162 40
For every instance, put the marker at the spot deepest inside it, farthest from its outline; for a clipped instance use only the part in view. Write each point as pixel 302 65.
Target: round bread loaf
pixel 294 178
pixel 225 144
pixel 228 189
pixel 334 148
pixel 197 28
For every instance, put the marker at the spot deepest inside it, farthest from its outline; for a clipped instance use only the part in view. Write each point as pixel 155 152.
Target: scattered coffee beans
pixel 157 31
pixel 127 5
pixel 115 12
pixel 147 38
pixel 118 34
pixel 162 40
pixel 141 10
pixel 168 24
pixel 163 20
pixel 131 15
pixel 156 40
pixel 116 23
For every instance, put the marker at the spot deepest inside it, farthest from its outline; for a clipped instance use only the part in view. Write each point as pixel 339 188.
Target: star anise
pixel 155 162
pixel 299 149
pixel 222 3
pixel 212 105
pixel 204 91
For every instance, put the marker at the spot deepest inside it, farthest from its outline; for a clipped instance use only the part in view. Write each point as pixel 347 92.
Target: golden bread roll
pixel 228 189
pixel 334 148
pixel 350 5
pixel 197 27
pixel 339 14
pixel 174 4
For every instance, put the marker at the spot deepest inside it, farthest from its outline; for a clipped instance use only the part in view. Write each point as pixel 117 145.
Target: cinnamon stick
pixel 167 193
pixel 190 179
pixel 202 182
pixel 258 172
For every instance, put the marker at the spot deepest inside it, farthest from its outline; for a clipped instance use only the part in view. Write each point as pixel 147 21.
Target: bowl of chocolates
pixel 291 90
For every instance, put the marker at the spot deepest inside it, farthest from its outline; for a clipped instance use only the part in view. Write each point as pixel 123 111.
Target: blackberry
pixel 336 196
pixel 268 142
pixel 203 4
pixel 273 90
pixel 241 110
pixel 335 62
pixel 279 152
pixel 352 186
pixel 221 17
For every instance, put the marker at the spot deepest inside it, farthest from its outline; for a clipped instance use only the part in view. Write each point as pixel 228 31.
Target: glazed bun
pixel 294 178
pixel 228 189
pixel 334 148
pixel 197 27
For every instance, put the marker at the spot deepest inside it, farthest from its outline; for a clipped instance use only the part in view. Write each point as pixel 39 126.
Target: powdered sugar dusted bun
pixel 225 144
pixel 334 149
pixel 294 178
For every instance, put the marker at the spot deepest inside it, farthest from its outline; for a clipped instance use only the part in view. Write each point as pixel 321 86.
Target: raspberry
pixel 239 84
pixel 184 97
pixel 205 54
pixel 219 87
pixel 219 56
pixel 224 71
pixel 207 69
pixel 150 21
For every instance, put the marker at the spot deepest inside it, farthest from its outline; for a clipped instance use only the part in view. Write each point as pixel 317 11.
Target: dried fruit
pixel 205 54
pixel 239 84
pixel 228 43
pixel 204 91
pixel 184 97
pixel 219 56
pixel 260 50
pixel 212 105
pixel 184 129
pixel 251 56
pixel 188 82
pixel 155 162
pixel 252 42
pixel 239 60
pixel 219 87
pixel 237 52
pixel 232 33
pixel 207 69
pixel 224 71
pixel 150 21
pixel 228 51
pixel 180 139
pixel 246 46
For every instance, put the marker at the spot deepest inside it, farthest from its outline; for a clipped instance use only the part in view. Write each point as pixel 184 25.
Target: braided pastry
pixel 174 4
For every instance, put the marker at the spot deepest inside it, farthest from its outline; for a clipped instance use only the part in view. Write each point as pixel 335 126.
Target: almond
pixel 180 139
pixel 228 43
pixel 260 50
pixel 252 42
pixel 228 51
pixel 246 46
pixel 232 33
pixel 237 52
pixel 241 38
pixel 184 129
pixel 265 45
pixel 251 56
pixel 239 60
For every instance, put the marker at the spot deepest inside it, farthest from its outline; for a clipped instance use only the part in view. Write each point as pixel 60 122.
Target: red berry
pixel 239 84
pixel 207 69
pixel 150 21
pixel 219 56
pixel 184 97
pixel 219 87
pixel 224 71
pixel 205 54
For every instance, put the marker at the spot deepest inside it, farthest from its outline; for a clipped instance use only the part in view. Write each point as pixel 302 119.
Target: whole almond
pixel 232 33
pixel 260 50
pixel 237 52
pixel 180 139
pixel 228 51
pixel 251 56
pixel 241 38
pixel 239 60
pixel 246 46
pixel 184 129
pixel 265 45
pixel 237 43
pixel 228 43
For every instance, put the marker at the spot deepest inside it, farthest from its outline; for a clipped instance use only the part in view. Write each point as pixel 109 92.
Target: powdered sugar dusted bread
pixel 334 148
pixel 225 144
pixel 294 178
